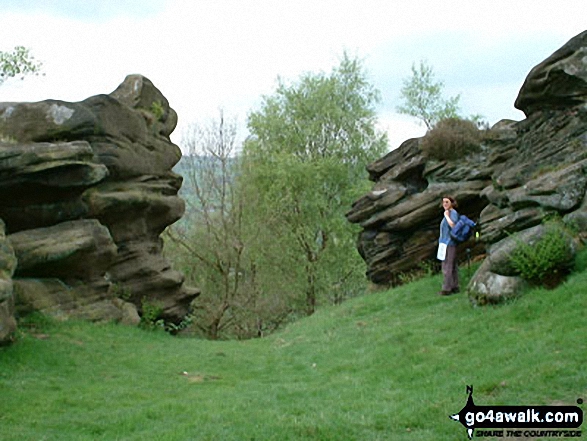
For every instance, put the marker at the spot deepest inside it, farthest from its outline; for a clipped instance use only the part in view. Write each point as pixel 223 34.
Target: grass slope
pixel 388 366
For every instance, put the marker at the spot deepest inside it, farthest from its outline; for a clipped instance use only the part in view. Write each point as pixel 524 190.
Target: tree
pixel 208 244
pixel 422 97
pixel 19 62
pixel 304 165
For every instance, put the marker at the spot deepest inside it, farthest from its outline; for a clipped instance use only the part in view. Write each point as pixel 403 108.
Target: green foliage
pixel 322 116
pixel 581 261
pixel 304 165
pixel 173 329
pixel 210 245
pixel 157 109
pixel 265 237
pixel 18 63
pixel 34 322
pixel 422 97
pixel 388 366
pixel 150 313
pixel 546 261
pixel 122 292
pixel 451 138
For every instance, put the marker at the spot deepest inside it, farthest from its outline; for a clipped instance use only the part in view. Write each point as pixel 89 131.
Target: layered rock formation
pixel 401 215
pixel 86 189
pixel 523 172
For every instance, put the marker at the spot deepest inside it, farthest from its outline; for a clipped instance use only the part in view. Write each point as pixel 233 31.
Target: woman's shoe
pixel 444 293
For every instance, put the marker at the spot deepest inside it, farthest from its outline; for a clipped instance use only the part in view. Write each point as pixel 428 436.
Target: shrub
pixel 547 261
pixel 451 138
pixel 150 315
pixel 122 292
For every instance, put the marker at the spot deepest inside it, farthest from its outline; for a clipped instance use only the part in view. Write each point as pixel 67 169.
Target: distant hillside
pixel 187 167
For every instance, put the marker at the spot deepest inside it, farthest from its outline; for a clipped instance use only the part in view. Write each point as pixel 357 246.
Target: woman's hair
pixel 452 200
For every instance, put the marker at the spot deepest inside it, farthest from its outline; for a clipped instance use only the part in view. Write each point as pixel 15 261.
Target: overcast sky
pixel 205 55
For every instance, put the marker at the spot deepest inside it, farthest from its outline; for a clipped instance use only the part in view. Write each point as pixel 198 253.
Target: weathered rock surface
pixel 86 189
pixel 41 184
pixel 558 82
pixel 79 300
pixel 491 288
pixel 7 267
pixel 524 172
pixel 400 217
pixel 78 250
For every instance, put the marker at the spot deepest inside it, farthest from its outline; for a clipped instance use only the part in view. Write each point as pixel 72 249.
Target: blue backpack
pixel 463 229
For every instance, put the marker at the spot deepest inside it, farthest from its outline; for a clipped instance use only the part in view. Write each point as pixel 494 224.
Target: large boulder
pixel 490 288
pixel 64 251
pixel 86 189
pixel 522 173
pixel 128 132
pixel 559 82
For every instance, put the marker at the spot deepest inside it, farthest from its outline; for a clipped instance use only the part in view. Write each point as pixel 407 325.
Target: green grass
pixel 388 366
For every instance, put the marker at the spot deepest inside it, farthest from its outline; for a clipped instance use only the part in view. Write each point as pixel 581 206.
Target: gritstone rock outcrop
pixel 86 189
pixel 523 172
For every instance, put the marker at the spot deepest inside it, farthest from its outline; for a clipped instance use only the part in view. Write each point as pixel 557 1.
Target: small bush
pixel 548 260
pixel 121 292
pixel 451 138
pixel 150 315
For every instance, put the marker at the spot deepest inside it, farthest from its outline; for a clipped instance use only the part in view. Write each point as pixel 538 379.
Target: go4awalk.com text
pixel 520 421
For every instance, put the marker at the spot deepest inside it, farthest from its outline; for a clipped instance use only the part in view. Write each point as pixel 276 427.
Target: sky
pixel 212 55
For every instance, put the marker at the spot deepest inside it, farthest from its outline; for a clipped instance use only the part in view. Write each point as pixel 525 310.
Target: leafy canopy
pixel 305 163
pixel 19 62
pixel 422 97
pixel 322 116
pixel 316 135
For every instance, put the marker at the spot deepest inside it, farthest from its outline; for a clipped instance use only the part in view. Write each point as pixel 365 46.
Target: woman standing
pixel 449 256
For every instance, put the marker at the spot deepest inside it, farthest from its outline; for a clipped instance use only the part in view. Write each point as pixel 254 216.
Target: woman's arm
pixel 448 219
